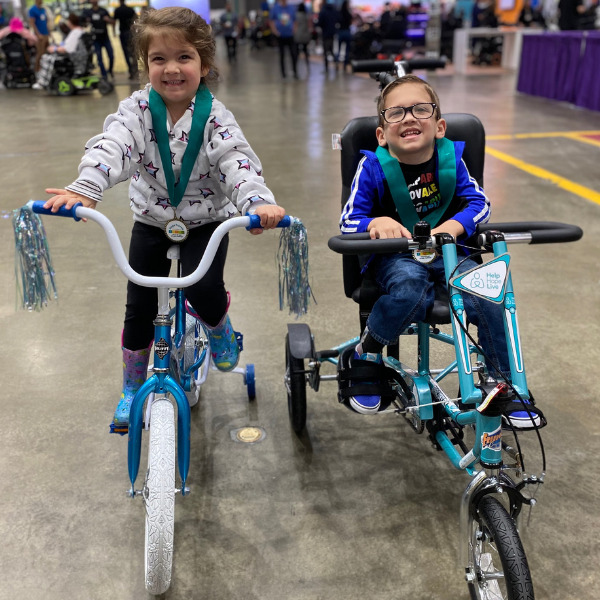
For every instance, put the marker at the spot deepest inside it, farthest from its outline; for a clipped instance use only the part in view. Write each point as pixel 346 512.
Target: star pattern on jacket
pixel 104 168
pixel 206 192
pixel 244 163
pixel 151 169
pixel 225 134
pixel 164 202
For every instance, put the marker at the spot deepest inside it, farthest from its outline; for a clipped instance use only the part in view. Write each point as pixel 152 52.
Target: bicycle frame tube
pixel 160 383
pixel 511 331
pixel 470 394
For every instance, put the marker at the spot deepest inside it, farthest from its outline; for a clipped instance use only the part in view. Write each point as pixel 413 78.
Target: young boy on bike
pixel 417 174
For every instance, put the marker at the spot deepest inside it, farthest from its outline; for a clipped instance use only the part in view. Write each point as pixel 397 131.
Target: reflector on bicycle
pixel 486 281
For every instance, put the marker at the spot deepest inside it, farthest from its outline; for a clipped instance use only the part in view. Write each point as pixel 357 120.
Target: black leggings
pixel 148 256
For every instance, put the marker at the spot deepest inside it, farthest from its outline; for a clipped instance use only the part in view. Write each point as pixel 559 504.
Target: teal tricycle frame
pixel 491 553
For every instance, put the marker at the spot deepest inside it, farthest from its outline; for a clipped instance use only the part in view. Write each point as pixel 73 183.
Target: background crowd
pixel 332 32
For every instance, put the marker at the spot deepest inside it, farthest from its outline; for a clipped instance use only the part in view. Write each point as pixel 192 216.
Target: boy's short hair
pixel 181 23
pixel 400 81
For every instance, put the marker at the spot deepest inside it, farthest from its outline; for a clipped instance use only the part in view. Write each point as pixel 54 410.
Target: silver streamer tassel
pixel 292 260
pixel 33 266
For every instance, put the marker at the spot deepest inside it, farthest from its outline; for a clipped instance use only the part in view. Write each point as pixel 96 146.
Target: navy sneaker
pixel 366 405
pixel 520 419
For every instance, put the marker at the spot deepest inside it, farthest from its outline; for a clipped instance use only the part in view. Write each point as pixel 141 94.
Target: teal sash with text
pixel 446 175
pixel 158 110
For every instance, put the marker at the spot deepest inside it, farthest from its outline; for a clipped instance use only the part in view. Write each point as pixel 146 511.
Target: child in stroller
pixel 17 50
pixel 66 69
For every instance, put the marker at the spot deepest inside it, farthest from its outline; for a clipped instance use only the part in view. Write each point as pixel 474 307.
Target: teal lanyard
pixel 446 175
pixel 158 110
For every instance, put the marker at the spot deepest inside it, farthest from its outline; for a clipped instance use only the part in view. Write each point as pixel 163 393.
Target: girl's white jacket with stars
pixel 226 177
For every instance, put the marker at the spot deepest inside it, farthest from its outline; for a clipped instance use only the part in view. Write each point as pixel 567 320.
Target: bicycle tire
pixel 494 536
pixel 295 383
pixel 159 498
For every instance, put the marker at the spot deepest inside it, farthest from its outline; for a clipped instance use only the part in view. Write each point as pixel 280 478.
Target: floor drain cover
pixel 248 435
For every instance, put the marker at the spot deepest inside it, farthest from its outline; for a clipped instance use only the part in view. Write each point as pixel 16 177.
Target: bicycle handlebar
pixel 79 212
pixel 536 232
pixel 390 65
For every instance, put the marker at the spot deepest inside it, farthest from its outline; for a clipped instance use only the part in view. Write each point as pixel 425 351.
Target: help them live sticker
pixel 486 281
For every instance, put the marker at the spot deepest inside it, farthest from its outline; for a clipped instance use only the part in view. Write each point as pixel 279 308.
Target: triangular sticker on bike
pixel 486 281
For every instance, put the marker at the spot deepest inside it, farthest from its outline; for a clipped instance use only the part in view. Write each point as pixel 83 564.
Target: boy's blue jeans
pixel 409 292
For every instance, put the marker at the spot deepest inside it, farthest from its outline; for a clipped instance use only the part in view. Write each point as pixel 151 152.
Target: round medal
pixel 176 230
pixel 424 256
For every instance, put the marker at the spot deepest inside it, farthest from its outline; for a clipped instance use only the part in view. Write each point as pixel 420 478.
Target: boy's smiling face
pixel 411 140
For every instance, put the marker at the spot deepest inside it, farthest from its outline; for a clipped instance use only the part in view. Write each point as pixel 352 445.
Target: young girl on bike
pixel 190 168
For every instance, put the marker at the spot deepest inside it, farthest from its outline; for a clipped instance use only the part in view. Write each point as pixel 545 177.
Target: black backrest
pixel 359 134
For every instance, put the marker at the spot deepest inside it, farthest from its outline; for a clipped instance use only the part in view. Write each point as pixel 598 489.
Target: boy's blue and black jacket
pixel 370 197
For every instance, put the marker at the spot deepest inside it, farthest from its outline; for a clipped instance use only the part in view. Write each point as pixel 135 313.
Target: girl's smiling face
pixel 411 140
pixel 175 71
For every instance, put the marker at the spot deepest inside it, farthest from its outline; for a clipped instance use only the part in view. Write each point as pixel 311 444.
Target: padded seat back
pixel 359 134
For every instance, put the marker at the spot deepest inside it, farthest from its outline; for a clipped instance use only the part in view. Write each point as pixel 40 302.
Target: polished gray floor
pixel 357 507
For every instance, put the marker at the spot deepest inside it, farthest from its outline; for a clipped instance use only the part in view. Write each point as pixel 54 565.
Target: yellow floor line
pixel 562 182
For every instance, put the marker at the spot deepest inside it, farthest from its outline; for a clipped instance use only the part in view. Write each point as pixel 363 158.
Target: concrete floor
pixel 357 507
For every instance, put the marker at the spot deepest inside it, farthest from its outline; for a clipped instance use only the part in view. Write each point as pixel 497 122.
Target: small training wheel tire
pixel 250 381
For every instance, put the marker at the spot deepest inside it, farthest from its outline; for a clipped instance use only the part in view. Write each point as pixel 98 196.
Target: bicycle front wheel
pixel 159 497
pixel 498 568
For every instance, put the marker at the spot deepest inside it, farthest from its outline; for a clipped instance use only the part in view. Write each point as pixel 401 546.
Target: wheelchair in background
pixel 74 73
pixel 468 428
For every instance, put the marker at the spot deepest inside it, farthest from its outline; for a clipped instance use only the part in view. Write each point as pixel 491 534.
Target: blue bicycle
pixel 182 359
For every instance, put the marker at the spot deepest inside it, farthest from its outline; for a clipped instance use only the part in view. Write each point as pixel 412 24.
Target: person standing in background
pixel 229 26
pixel 329 21
pixel 282 25
pixel 302 32
pixel 100 20
pixel 125 15
pixel 569 13
pixel 345 34
pixel 38 20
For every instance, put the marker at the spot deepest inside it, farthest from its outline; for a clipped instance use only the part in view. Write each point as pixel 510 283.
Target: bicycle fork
pixel 160 382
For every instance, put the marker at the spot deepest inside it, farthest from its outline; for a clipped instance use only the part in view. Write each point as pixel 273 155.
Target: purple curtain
pixel 550 65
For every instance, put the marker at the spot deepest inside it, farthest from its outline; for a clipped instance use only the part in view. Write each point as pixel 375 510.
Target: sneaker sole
pixel 525 422
pixel 363 410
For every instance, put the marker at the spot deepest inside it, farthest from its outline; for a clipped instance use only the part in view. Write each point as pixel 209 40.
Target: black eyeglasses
pixel 395 114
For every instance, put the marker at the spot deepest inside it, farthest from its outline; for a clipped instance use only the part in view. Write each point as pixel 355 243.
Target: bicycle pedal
pixel 120 429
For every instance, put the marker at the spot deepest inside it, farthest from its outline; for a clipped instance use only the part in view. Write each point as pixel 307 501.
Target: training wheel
pixel 250 382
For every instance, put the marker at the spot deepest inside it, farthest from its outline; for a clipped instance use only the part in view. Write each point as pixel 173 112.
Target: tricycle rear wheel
pixel 295 383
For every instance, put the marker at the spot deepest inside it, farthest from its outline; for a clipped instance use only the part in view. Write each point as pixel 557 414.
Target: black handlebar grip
pixel 361 243
pixel 421 64
pixel 542 232
pixel 372 66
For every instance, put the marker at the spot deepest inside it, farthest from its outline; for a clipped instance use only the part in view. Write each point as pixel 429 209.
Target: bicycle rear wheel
pixel 497 568
pixel 159 497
